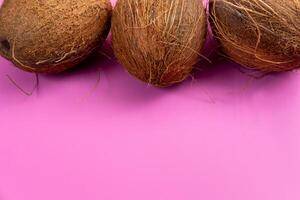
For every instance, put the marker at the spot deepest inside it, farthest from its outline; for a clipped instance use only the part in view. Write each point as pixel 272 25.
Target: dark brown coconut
pixel 259 34
pixel 158 41
pixel 53 35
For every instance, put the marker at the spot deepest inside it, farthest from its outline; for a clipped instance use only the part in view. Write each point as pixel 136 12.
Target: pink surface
pixel 220 136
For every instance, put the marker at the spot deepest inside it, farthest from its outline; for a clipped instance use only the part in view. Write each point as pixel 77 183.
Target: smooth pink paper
pixel 219 136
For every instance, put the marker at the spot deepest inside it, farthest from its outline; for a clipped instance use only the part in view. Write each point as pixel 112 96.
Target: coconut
pixel 53 35
pixel 158 41
pixel 259 34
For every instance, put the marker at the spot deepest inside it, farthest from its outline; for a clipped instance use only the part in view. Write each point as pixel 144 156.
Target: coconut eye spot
pixel 5 46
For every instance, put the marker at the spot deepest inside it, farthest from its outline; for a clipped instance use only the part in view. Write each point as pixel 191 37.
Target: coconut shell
pixel 259 34
pixel 53 35
pixel 158 41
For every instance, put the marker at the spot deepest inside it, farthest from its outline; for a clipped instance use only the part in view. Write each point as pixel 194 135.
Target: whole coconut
pixel 259 34
pixel 52 35
pixel 158 41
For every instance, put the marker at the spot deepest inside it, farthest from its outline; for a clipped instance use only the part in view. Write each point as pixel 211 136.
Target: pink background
pixel 219 136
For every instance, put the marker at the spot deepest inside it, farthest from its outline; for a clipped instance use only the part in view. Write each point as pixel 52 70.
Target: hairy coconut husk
pixel 158 41
pixel 53 35
pixel 259 34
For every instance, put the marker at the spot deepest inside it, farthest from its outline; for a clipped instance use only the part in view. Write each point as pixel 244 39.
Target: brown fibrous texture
pixel 53 35
pixel 259 34
pixel 158 41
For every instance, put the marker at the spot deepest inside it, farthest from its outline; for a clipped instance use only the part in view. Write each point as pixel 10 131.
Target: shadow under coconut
pixel 226 81
pixel 111 81
pixel 128 92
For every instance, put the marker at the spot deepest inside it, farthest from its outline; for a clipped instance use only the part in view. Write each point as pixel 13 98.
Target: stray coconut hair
pixel 259 34
pixel 158 41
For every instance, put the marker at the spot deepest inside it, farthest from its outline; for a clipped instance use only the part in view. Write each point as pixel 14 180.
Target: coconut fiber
pixel 53 35
pixel 259 34
pixel 158 41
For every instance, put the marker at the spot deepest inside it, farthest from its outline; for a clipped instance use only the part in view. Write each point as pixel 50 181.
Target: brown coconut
pixel 158 41
pixel 259 34
pixel 53 35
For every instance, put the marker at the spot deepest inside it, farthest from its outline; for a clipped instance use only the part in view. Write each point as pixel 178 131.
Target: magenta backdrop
pixel 219 136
